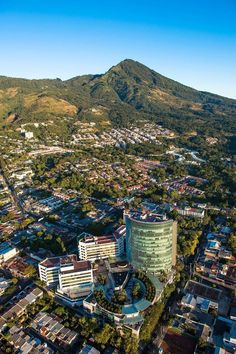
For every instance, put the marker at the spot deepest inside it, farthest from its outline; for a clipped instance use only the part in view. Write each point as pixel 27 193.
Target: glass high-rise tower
pixel 150 242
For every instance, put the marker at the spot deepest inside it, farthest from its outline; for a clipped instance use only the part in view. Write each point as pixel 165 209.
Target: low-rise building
pixel 187 211
pixel 230 337
pixel 20 307
pixel 189 300
pixel 7 252
pixel 88 349
pixel 50 327
pixel 202 293
pixel 224 334
pixel 25 343
pixel 4 284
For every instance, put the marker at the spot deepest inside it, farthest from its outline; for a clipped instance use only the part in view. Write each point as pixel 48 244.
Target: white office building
pixel 100 247
pixel 49 271
pixel 72 278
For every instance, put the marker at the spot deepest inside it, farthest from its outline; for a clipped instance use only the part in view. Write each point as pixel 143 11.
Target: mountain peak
pixel 130 69
pixel 130 65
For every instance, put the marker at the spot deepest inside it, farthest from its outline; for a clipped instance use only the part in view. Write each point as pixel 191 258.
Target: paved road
pixel 11 188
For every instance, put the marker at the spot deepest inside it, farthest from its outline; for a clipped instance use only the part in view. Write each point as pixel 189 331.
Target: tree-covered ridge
pixel 127 93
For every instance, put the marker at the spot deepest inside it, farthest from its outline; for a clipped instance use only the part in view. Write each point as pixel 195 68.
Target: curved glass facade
pixel 151 246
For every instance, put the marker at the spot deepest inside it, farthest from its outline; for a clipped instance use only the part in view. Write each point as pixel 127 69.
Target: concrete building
pixel 194 212
pixel 49 271
pixel 7 252
pixel 230 338
pixel 20 307
pixel 189 300
pixel 100 247
pixel 73 278
pixel 88 349
pixel 74 274
pixel 50 328
pixel 4 284
pixel 150 241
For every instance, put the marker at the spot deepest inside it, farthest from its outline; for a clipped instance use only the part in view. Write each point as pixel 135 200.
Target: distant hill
pixel 127 93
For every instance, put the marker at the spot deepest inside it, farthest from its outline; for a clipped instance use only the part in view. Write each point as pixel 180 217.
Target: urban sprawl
pixel 93 262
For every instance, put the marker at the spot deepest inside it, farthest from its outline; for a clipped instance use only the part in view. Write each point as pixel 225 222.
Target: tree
pixel 30 270
pixel 60 311
pixel 14 281
pixel 101 279
pixel 120 296
pixel 163 276
pixel 130 345
pixel 116 340
pixel 103 336
pixel 151 320
pixel 201 343
pixel 232 242
pixel 136 291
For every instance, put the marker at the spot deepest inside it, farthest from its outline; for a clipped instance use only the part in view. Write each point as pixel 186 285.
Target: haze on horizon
pixel 192 42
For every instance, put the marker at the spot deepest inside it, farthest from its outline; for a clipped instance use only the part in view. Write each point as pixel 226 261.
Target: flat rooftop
pixel 78 266
pixel 5 247
pixel 98 240
pixel 202 290
pixel 58 261
pixel 145 216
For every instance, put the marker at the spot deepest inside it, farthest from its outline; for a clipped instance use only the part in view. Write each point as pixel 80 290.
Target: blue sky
pixel 192 41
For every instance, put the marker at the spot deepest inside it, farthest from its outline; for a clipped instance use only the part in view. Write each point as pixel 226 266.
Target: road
pixel 11 188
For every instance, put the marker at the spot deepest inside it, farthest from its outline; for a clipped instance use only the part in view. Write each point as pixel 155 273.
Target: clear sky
pixel 191 41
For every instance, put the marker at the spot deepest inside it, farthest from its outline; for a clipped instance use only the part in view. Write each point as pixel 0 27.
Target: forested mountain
pixel 127 93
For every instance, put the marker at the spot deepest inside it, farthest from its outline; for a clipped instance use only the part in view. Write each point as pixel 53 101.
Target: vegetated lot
pixel 175 343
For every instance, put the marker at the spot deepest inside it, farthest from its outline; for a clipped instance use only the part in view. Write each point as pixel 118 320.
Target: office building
pixel 72 278
pixel 150 241
pixel 49 271
pixel 100 247
pixel 74 274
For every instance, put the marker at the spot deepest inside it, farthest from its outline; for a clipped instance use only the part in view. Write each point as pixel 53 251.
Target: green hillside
pixel 129 92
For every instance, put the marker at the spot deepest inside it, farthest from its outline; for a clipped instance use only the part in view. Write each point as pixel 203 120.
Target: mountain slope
pixel 127 93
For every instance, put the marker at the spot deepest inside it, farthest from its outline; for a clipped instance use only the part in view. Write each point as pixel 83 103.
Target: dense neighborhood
pixel 115 248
